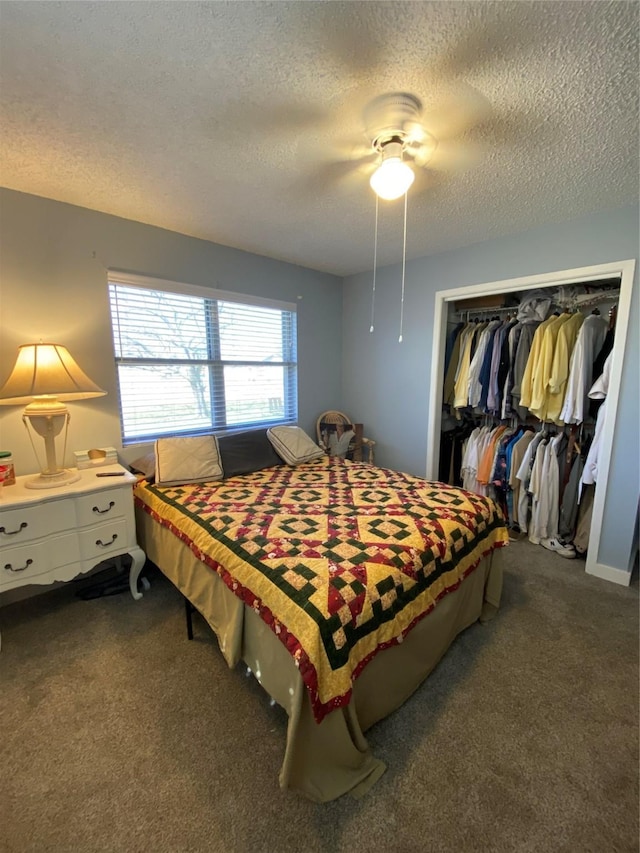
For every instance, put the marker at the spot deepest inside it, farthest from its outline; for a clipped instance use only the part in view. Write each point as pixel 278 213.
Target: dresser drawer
pixel 33 522
pixel 102 506
pixel 28 561
pixel 104 539
pixel 57 534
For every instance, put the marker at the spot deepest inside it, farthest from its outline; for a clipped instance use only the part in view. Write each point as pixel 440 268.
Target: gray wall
pixel 53 287
pixel 53 260
pixel 386 384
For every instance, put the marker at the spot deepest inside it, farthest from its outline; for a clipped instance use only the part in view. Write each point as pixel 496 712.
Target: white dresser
pixel 56 534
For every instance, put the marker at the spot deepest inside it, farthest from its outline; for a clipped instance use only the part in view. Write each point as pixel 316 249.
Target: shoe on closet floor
pixel 567 551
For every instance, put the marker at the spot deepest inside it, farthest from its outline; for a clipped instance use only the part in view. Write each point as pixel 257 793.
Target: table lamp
pixel 45 376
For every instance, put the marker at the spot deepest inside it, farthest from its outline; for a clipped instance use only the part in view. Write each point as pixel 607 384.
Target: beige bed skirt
pixel 332 758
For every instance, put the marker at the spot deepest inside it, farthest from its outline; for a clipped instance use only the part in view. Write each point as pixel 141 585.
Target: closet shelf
pixel 586 300
pixel 477 312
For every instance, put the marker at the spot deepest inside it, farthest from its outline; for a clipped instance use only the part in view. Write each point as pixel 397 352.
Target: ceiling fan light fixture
pixel 393 177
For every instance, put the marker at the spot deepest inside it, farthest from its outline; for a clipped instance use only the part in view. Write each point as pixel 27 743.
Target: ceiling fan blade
pixel 497 33
pixel 345 33
pixel 347 151
pixel 460 110
pixel 339 174
pixel 453 155
pixel 328 158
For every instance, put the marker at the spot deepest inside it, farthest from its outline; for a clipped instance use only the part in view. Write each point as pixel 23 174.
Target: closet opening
pixel 602 293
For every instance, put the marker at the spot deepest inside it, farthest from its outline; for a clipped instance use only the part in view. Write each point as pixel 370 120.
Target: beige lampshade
pixel 46 370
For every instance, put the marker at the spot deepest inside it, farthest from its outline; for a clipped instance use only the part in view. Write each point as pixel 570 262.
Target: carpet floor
pixel 117 734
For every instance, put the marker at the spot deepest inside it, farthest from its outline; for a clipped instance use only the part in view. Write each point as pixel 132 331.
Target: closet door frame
pixel 581 275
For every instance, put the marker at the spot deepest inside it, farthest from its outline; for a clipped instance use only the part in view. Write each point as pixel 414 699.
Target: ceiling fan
pixel 392 123
pixel 403 140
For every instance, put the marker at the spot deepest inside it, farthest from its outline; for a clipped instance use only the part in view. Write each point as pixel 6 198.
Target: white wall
pixel 386 384
pixel 53 287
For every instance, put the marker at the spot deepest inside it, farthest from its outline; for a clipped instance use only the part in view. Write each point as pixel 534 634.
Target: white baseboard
pixel 609 573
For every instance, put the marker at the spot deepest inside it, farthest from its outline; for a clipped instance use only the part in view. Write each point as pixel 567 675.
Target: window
pixel 190 360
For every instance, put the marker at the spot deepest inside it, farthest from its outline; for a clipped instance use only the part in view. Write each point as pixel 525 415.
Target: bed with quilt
pixel 338 583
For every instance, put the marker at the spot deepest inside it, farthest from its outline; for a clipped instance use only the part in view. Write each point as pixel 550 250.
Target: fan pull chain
pixel 375 260
pixel 404 258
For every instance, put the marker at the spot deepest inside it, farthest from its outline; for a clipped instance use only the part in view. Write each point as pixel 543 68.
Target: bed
pixel 339 584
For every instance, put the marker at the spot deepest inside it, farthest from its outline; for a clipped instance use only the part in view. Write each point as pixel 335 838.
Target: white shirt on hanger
pixel 523 474
pixel 599 391
pixel 537 528
pixel 550 497
pixel 469 465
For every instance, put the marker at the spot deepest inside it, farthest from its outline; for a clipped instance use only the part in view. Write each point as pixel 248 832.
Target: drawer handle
pixel 106 544
pixel 10 568
pixel 6 532
pixel 101 511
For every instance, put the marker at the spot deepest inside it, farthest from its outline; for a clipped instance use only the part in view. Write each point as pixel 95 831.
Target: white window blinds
pixel 191 360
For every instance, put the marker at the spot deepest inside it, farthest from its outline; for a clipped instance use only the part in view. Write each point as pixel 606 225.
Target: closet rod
pixel 466 312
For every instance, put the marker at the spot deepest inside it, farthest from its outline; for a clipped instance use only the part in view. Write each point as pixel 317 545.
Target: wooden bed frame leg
pixel 188 612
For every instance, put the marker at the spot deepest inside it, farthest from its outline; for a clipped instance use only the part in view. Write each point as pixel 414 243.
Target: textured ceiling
pixel 242 122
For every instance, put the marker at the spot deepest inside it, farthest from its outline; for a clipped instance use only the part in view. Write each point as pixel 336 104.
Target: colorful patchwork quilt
pixel 340 559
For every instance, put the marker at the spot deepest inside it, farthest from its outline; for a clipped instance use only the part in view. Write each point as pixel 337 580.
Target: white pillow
pixel 293 444
pixel 187 459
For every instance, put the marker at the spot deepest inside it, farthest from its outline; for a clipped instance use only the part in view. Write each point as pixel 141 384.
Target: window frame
pixel 214 362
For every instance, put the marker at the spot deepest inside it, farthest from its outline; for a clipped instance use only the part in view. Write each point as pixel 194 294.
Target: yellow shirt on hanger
pixel 526 386
pixel 567 337
pixel 450 378
pixel 540 386
pixel 461 388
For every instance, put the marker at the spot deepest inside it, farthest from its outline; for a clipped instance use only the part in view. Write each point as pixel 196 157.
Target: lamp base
pixel 50 481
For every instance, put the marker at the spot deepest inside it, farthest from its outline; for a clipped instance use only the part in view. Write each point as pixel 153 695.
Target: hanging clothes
pixel 589 342
pixel 526 386
pixel 470 460
pixel 541 374
pixel 524 476
pixel 487 462
pixel 485 369
pixel 569 506
pixel 475 385
pixel 454 437
pixel 450 342
pixel 551 475
pixel 517 455
pixel 450 375
pixel 583 525
pixel 598 367
pixel 496 382
pixel 512 341
pixel 461 386
pixel 523 351
pixel 599 391
pixel 537 492
pixel 515 369
pixel 500 475
pixel 557 383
